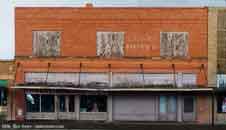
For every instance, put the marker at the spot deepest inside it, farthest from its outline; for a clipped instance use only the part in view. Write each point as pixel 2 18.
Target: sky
pixel 7 36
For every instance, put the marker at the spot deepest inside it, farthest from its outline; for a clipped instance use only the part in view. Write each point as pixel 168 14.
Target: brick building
pixel 217 60
pixel 113 64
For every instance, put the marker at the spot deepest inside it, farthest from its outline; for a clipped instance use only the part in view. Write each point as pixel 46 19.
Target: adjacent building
pixel 6 82
pixel 217 60
pixel 112 64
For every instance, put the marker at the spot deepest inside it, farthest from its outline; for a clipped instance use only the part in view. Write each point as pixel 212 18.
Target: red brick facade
pixel 142 27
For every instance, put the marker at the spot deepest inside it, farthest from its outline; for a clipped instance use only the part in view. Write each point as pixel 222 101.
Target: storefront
pixel 70 103
pixel 3 99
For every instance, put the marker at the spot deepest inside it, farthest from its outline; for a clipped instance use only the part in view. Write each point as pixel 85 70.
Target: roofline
pixel 111 7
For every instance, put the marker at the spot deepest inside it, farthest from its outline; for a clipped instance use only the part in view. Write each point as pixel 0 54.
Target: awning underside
pixel 112 89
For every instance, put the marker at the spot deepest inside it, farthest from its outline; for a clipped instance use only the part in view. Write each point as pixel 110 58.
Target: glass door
pixel 189 108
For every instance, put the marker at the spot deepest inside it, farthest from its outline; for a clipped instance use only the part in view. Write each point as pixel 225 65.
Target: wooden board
pixel 174 44
pixel 110 44
pixel 46 43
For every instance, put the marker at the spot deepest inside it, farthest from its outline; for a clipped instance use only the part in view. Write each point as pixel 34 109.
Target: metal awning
pixel 115 89
pixel 3 83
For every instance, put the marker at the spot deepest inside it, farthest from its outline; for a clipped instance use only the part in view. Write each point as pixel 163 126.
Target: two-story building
pixel 217 60
pixel 112 64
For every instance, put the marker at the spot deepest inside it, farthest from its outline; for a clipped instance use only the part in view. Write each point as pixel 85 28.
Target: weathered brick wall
pixel 142 27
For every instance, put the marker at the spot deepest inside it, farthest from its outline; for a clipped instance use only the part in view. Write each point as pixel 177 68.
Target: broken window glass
pixel 32 102
pixel 93 103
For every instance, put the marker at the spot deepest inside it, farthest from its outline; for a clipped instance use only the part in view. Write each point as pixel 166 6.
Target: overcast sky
pixel 7 13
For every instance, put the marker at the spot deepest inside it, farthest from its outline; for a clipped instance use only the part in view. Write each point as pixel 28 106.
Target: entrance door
pixel 189 108
pixel 167 108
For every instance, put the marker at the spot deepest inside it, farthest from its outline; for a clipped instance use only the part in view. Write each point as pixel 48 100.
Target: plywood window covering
pixel 110 44
pixel 221 41
pixel 46 43
pixel 173 44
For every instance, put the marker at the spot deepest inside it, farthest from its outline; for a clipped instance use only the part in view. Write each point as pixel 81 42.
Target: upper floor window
pixel 110 44
pixel 46 43
pixel 174 44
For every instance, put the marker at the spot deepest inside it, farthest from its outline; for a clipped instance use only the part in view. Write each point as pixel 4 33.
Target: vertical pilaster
pixel 109 108
pixel 179 108
pixel 77 107
pixel 212 46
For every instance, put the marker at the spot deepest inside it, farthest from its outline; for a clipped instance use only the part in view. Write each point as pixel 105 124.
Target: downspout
pixel 109 75
pixel 174 74
pixel 142 71
pixel 49 64
pixel 80 71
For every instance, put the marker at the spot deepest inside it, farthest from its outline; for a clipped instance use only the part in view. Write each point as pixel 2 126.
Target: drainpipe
pixel 174 74
pixel 49 64
pixel 142 71
pixel 80 71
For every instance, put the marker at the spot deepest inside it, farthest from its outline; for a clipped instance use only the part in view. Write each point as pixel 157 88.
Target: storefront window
pixel 47 103
pixel 33 102
pixel 221 104
pixel 71 103
pixel 163 104
pixel 188 104
pixel 93 103
pixel 172 104
pixel 62 103
pixel 3 97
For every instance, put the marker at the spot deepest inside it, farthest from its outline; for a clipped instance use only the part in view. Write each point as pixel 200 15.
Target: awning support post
pixel 213 110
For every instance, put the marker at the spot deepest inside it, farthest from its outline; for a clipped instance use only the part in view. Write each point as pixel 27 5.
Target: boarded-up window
pixel 174 44
pixel 110 44
pixel 46 43
pixel 221 42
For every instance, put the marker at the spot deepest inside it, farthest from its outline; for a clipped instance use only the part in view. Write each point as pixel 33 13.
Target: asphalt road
pixel 78 125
